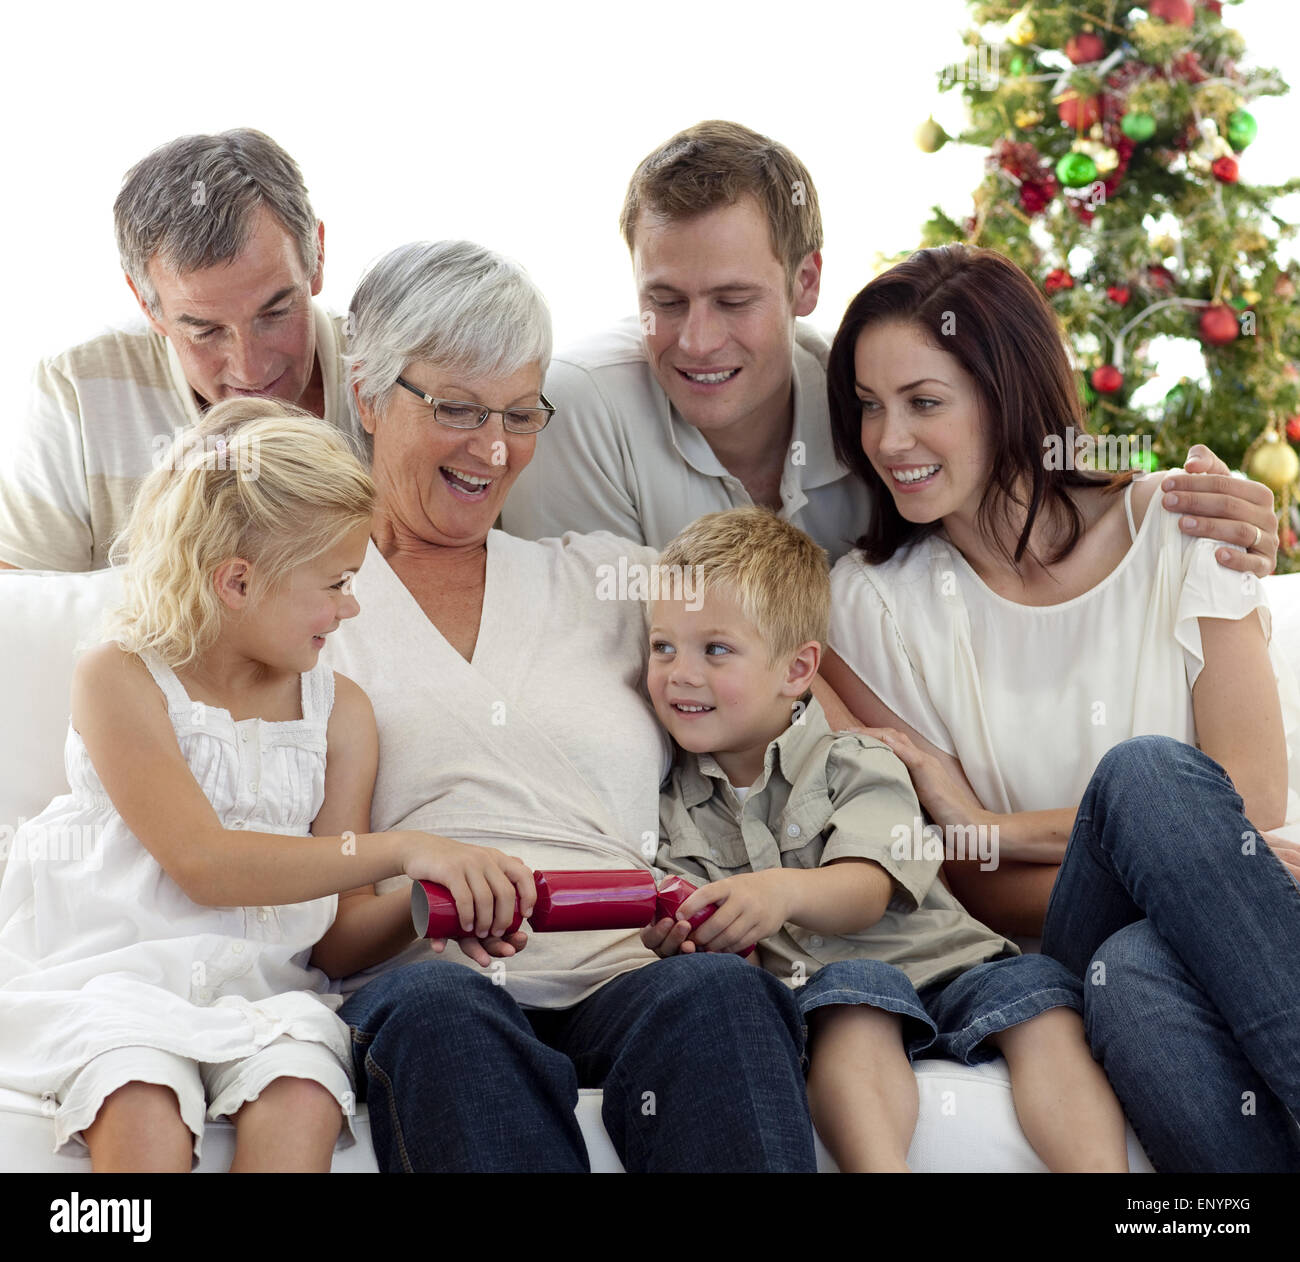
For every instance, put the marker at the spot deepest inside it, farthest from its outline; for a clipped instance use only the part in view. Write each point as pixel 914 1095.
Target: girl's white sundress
pixel 101 949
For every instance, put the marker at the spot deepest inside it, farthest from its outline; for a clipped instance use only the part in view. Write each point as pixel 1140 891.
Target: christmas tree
pixel 1116 177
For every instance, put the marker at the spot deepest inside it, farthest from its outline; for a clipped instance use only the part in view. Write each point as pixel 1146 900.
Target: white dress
pixel 100 949
pixel 1029 698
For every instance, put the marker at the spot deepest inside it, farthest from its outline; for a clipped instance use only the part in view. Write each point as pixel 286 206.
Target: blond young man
pixel 807 839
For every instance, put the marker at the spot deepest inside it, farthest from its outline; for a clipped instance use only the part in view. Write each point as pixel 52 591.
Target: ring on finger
pixel 1259 534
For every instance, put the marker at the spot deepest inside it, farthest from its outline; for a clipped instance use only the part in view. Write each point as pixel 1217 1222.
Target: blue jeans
pixel 1187 936
pixel 956 1015
pixel 698 1057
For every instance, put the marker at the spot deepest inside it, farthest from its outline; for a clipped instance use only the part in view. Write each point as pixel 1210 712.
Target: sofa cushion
pixel 45 619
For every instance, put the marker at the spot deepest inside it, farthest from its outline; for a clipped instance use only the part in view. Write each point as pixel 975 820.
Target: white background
pixel 513 124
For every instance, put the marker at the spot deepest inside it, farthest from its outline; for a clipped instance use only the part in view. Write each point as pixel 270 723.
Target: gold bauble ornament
pixel 1028 118
pixel 1020 30
pixel 1250 295
pixel 1165 246
pixel 930 137
pixel 1274 462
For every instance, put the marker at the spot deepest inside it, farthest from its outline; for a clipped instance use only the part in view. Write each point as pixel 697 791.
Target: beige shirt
pixel 543 745
pixel 824 796
pixel 618 457
pixel 99 418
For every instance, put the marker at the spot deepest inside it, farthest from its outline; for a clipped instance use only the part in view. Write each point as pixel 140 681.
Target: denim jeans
pixel 698 1057
pixel 1187 935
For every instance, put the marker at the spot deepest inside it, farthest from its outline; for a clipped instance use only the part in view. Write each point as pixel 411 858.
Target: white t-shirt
pixel 618 457
pixel 544 745
pixel 1029 698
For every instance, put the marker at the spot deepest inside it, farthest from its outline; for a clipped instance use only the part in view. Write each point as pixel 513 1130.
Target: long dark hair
pixel 985 312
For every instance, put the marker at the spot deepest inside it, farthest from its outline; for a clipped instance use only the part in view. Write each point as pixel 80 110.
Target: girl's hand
pixel 483 882
pixel 668 937
pixel 945 798
pixel 751 906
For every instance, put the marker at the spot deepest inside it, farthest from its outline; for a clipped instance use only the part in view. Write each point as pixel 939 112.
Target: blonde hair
pixel 256 479
pixel 777 575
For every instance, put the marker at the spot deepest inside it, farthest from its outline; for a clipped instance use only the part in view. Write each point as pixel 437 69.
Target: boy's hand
pixel 483 882
pixel 668 937
pixel 751 906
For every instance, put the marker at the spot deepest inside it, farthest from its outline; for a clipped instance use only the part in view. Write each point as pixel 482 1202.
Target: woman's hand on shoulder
pixel 945 794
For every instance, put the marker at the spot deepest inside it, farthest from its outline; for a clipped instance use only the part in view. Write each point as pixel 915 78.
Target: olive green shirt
pixel 823 796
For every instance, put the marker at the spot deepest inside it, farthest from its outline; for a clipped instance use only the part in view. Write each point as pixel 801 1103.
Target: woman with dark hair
pixel 1042 652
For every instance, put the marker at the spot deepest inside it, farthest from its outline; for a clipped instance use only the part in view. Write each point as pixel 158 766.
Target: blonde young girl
pixel 176 968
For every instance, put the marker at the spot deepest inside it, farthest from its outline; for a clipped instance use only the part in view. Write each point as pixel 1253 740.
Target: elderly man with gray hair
pixel 224 254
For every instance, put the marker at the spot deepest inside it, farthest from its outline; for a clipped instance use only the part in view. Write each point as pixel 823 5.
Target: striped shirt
pixel 99 415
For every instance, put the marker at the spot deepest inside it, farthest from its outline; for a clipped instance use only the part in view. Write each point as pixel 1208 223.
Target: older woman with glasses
pixel 506 695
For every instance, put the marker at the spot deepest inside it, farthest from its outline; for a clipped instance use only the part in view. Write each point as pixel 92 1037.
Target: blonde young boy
pixel 805 837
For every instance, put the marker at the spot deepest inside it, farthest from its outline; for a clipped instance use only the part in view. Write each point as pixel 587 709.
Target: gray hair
pixel 192 201
pixel 451 303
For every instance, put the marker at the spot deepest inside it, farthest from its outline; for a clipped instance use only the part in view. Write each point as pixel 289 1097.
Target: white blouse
pixel 543 745
pixel 1029 698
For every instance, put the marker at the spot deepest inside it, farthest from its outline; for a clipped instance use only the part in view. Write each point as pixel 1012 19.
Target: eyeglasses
pixel 458 414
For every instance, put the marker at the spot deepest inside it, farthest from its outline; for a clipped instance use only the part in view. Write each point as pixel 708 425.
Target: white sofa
pixel 967 1121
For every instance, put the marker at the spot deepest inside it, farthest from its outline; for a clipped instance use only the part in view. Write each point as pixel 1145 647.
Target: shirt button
pixel 261 915
pixel 252 786
pixel 243 736
pixel 792 831
pixel 238 948
pixel 713 854
pixel 816 940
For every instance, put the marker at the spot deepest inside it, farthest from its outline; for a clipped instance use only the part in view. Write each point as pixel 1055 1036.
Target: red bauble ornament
pixel 1118 294
pixel 1293 429
pixel 1107 379
pixel 1085 47
pixel 1225 169
pixel 1160 278
pixel 1219 325
pixel 1058 278
pixel 1214 6
pixel 1175 12
pixel 1079 112
pixel 1035 194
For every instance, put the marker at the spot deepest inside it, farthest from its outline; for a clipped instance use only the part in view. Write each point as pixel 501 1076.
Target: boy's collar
pixel 700 773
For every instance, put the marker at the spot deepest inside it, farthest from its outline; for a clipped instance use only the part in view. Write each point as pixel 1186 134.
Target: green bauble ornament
pixel 1146 461
pixel 1242 129
pixel 1088 394
pixel 1138 127
pixel 1018 64
pixel 1075 170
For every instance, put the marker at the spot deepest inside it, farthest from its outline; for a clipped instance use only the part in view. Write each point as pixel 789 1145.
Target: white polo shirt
pixel 70 470
pixel 617 456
